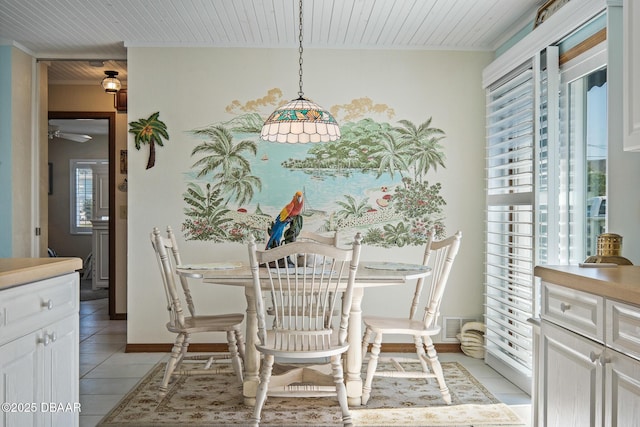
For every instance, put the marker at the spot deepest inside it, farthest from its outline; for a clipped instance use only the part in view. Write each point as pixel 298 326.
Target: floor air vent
pixel 451 327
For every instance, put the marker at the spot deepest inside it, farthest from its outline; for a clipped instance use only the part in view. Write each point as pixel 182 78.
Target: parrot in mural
pixel 284 218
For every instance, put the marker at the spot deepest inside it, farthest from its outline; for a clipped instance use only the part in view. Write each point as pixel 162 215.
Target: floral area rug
pixel 217 401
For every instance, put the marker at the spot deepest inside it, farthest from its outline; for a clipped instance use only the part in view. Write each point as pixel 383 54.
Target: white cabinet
pixel 100 190
pixel 588 360
pixel 20 367
pixel 571 383
pixel 100 250
pixel 622 389
pixel 577 311
pixel 100 224
pixel 61 373
pixel 623 327
pixel 39 351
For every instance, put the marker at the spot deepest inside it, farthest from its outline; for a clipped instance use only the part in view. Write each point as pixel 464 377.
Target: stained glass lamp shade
pixel 300 121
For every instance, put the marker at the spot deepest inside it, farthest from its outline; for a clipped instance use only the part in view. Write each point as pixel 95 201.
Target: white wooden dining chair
pixel 185 326
pixel 310 236
pixel 439 255
pixel 303 331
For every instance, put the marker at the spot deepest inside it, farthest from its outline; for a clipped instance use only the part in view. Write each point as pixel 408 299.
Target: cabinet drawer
pixel 623 328
pixel 26 308
pixel 579 311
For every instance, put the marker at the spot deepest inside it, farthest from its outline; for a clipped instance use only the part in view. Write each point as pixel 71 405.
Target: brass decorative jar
pixel 609 250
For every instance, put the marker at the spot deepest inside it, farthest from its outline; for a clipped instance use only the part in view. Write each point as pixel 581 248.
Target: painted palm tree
pixel 222 153
pixel 426 151
pixel 351 208
pixel 392 155
pixel 149 131
pixel 238 185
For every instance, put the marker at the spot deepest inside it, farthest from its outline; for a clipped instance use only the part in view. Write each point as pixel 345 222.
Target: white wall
pixel 191 87
pixel 23 150
pixel 623 203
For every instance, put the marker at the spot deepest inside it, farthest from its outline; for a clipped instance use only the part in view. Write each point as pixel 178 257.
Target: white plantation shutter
pixel 510 225
pixel 81 194
pixel 551 233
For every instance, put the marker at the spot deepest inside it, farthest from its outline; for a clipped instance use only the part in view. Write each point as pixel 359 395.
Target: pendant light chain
pixel 300 92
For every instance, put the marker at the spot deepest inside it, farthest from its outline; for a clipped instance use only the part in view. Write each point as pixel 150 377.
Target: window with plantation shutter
pixel 82 193
pixel 510 224
pixel 545 167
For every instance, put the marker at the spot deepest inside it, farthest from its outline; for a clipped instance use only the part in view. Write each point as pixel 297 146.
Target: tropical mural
pixel 372 180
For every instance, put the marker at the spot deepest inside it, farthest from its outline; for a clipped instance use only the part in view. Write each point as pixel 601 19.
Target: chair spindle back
pixel 174 306
pixel 304 280
pixel 440 255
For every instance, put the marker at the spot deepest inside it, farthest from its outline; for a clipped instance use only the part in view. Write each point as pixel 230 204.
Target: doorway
pixel 91 118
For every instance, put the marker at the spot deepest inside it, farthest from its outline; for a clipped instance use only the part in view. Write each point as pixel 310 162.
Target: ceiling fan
pixel 55 132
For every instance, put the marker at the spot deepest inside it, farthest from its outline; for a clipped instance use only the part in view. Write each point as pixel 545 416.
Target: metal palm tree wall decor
pixel 149 131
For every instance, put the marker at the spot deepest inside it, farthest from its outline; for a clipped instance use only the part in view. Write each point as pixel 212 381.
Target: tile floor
pixel 107 373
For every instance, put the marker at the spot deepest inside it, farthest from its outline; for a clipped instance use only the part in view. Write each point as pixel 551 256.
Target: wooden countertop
pixel 621 283
pixel 18 271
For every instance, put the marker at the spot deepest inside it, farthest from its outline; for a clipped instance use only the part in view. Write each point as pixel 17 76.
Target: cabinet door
pixel 100 191
pixel 61 373
pixel 571 388
pixel 101 257
pixel 622 391
pixel 20 381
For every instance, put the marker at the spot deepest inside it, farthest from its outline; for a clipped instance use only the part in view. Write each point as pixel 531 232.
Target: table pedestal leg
pixel 252 356
pixel 353 379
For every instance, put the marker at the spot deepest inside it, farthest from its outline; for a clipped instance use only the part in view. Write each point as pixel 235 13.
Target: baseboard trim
pixel 166 348
pixel 410 348
pixel 222 347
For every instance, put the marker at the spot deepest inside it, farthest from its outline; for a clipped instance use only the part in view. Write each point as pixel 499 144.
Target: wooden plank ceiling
pixel 81 30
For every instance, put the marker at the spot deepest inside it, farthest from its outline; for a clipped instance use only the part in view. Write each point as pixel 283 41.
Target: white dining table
pixel 369 275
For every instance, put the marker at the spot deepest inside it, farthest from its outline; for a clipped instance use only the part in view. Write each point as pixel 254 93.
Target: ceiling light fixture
pixel 300 120
pixel 111 84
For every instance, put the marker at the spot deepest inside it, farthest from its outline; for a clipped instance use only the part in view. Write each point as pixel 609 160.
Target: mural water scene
pixel 371 180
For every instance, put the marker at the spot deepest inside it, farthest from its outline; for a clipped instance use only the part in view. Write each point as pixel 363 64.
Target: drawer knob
pixel 45 340
pixel 47 304
pixel 564 307
pixel 599 358
pixel 53 336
